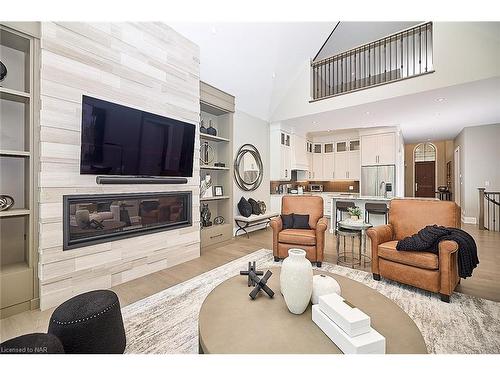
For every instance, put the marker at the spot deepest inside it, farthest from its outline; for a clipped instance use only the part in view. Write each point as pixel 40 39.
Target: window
pixel 425 152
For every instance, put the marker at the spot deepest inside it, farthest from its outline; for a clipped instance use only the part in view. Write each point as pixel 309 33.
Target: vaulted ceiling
pixel 255 62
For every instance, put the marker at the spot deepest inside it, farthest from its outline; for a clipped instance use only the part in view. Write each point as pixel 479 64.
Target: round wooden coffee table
pixel 230 322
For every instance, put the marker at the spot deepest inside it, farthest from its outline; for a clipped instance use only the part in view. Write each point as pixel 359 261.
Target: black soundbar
pixel 121 180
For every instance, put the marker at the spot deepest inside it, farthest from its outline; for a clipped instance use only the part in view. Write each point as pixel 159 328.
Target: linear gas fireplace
pixel 97 218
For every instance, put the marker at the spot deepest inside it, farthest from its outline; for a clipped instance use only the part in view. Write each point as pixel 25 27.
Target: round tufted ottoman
pixel 90 323
pixel 33 343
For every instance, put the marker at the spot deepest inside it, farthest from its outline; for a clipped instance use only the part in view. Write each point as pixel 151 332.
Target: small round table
pixel 231 323
pixel 361 226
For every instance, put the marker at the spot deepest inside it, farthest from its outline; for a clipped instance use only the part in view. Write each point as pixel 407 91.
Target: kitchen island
pixel 359 201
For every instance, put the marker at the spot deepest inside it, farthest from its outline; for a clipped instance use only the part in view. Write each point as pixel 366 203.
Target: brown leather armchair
pixel 311 240
pixel 435 273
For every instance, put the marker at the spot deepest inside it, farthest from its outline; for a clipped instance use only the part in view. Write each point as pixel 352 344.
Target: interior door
pixel 425 179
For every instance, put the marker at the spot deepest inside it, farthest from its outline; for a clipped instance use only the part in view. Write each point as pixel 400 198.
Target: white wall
pixel 463 52
pixel 479 159
pixel 252 130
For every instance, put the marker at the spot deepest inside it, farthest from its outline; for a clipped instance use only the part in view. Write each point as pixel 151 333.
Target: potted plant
pixel 355 212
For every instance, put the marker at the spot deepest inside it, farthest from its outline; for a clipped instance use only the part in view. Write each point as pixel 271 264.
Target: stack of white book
pixel 347 326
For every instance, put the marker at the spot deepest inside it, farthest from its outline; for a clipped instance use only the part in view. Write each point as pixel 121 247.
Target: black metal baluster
pixel 369 65
pixel 419 50
pixel 426 57
pixel 385 60
pixel 355 69
pixel 324 79
pixel 413 52
pixel 407 54
pixel 341 73
pixel 402 55
pixel 390 58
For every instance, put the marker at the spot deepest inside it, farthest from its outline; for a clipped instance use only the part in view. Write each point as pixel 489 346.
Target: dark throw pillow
pixel 244 207
pixel 255 206
pixel 287 221
pixel 301 221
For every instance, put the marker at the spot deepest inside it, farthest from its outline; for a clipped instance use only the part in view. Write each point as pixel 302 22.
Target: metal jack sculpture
pixel 260 284
pixel 251 268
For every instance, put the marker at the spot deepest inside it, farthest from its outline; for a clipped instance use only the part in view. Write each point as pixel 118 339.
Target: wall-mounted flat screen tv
pixel 119 140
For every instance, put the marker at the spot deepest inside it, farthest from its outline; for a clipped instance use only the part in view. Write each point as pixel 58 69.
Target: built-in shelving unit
pixel 215 198
pixel 213 138
pixel 19 110
pixel 217 108
pixel 214 168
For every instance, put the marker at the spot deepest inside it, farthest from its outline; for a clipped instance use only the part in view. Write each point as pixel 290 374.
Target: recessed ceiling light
pixel 314 122
pixel 213 30
pixel 367 112
pixel 273 75
pixel 440 100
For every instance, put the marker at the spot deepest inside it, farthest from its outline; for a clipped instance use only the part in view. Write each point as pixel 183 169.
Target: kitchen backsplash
pixel 328 186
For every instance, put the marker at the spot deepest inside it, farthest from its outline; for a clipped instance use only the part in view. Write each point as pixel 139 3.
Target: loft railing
pixel 399 56
pixel 489 210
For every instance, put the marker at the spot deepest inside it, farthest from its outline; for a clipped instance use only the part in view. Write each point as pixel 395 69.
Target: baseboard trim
pixel 469 220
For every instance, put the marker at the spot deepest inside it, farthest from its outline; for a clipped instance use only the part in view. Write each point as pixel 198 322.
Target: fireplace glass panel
pixel 101 218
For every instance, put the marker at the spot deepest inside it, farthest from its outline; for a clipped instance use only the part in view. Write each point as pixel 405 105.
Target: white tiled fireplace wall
pixel 147 66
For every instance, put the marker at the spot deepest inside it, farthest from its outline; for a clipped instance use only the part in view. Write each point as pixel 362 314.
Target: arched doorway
pixel 424 157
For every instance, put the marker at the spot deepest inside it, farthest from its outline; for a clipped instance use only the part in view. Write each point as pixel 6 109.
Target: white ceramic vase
pixel 323 285
pixel 296 281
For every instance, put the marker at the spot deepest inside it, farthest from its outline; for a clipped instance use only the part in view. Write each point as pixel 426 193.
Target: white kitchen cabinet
pixel 347 165
pixel 328 161
pixel 369 149
pixel 387 149
pixel 378 149
pixel 281 155
pixel 341 165
pixel 317 161
pixel 309 159
pixel 354 171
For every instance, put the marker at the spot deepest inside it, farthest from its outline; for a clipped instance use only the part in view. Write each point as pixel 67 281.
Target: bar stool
pixel 375 209
pixel 342 257
pixel 341 206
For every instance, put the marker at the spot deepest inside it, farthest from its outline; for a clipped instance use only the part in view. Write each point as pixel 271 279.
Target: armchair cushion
pixel 298 236
pixel 387 250
pixel 301 221
pixel 287 221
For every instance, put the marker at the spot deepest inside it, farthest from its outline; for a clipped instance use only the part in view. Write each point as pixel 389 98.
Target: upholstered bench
pixel 247 222
pixel 33 343
pixel 90 323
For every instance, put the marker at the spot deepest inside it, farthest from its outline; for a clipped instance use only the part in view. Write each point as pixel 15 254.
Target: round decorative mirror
pixel 248 168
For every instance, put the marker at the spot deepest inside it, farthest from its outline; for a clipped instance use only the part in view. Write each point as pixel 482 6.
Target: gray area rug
pixel 167 322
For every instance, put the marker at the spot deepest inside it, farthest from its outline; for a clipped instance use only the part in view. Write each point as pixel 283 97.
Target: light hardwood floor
pixel 485 282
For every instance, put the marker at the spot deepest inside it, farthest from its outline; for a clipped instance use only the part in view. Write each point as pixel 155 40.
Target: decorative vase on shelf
pixel 202 128
pixel 3 71
pixel 323 285
pixel 296 281
pixel 211 130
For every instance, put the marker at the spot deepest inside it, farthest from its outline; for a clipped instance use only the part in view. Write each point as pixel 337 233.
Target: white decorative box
pixel 367 343
pixel 352 320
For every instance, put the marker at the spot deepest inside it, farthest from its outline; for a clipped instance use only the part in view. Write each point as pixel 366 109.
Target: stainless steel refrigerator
pixel 378 181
